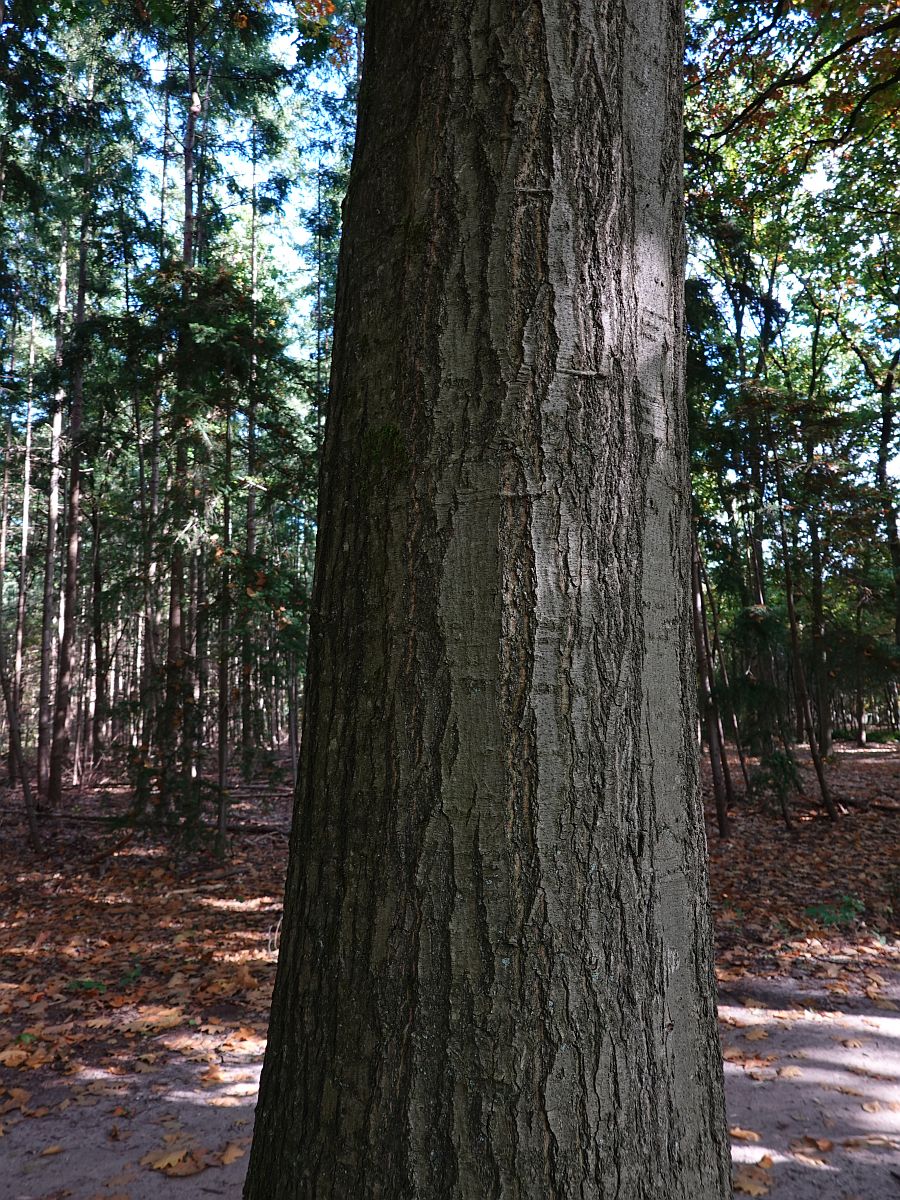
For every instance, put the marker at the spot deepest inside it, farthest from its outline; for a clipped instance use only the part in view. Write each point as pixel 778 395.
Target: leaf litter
pixel 135 989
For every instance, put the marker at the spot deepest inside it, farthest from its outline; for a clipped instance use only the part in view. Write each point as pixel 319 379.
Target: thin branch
pixel 794 78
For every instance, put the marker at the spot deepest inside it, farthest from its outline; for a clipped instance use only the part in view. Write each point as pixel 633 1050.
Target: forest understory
pixel 135 991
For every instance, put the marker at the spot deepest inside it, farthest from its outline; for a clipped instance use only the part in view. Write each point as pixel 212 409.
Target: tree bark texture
pixel 495 975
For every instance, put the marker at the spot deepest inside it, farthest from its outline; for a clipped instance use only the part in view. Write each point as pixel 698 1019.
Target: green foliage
pixel 847 912
pixel 776 776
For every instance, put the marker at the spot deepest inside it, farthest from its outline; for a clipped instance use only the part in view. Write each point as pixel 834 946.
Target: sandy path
pixel 813 1092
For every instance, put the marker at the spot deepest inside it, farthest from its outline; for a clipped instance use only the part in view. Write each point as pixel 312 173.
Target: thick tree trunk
pixel 495 975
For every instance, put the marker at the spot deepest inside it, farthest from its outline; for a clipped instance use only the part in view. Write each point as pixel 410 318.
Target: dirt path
pixel 134 992
pixel 813 1095
pixel 813 1092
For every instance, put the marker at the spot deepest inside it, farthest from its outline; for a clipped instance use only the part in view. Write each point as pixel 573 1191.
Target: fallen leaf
pixel 789 1072
pixel 812 1143
pixel 756 1035
pixel 751 1181
pixel 744 1135
pixel 808 1160
pixel 192 1165
pixel 57 1149
pixel 231 1153
pixel 163 1160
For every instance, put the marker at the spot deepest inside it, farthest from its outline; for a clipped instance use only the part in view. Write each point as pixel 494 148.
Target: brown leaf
pixel 808 1160
pixel 744 1135
pixel 751 1181
pixel 812 1143
pixel 192 1165
pixel 164 1160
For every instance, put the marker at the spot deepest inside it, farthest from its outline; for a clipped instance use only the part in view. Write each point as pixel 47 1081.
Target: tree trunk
pixel 803 705
pixel 820 651
pixel 249 739
pixel 708 709
pixel 718 655
pixel 60 742
pixel 22 597
pixel 224 647
pixel 495 975
pixel 891 524
pixel 98 716
pixel 45 716
pixel 172 732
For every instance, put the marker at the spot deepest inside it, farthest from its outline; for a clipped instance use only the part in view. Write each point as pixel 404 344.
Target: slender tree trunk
pixel 248 725
pixel 45 715
pixel 99 716
pixel 21 602
pixel 799 674
pixel 711 673
pixel 885 384
pixel 859 707
pixel 820 651
pixel 172 733
pixel 224 648
pixel 4 517
pixel 495 973
pixel 717 654
pixel 60 741
pixel 15 742
pixel 708 704
pixel 885 443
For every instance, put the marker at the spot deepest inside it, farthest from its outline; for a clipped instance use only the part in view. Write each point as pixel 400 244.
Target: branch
pixel 794 78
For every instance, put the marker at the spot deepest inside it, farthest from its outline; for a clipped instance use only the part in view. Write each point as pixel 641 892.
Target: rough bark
pixel 495 973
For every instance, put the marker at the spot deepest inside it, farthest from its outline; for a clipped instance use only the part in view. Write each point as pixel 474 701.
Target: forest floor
pixel 134 991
